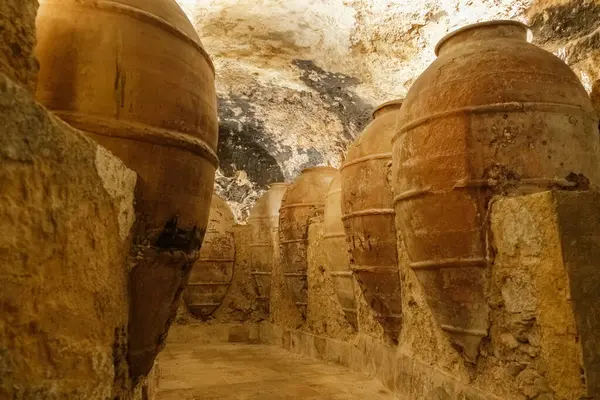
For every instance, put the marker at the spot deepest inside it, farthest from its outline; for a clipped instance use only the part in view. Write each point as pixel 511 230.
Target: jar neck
pixel 481 32
pixel 387 107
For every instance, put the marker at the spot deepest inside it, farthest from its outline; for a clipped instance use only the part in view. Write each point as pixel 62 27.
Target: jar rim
pixel 322 167
pixel 469 27
pixel 387 104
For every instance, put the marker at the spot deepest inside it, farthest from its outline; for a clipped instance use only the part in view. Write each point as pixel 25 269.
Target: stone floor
pixel 246 371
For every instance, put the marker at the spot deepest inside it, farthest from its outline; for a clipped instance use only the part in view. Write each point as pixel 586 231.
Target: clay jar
pixel 367 205
pixel 334 245
pixel 304 199
pixel 264 222
pixel 134 76
pixel 212 273
pixel 492 115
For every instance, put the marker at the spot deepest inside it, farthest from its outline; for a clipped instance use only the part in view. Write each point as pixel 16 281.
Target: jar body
pixel 304 199
pixel 264 221
pixel 368 217
pixel 338 260
pixel 212 272
pixel 492 115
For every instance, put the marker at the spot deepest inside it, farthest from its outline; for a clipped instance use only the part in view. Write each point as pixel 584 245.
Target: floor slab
pixel 253 372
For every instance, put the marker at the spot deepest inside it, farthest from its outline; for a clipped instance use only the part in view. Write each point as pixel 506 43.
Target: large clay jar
pixel 336 251
pixel 492 115
pixel 133 74
pixel 213 271
pixel 304 199
pixel 264 222
pixel 367 205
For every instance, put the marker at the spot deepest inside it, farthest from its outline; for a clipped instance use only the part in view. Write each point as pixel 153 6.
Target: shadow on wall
pixel 324 114
pixel 244 148
pixel 353 112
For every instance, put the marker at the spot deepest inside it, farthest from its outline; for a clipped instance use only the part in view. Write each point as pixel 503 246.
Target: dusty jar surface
pixel 212 272
pixel 264 221
pixel 492 115
pixel 337 257
pixel 304 199
pixel 368 217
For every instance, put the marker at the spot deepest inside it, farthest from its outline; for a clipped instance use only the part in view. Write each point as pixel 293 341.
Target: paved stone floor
pixel 245 371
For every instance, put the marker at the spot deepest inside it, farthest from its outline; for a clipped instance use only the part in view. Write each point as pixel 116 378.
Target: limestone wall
pixel 240 303
pixel 17 41
pixel 66 207
pixel 283 311
pixel 532 350
pixel 324 315
pixel 543 295
pixel 66 212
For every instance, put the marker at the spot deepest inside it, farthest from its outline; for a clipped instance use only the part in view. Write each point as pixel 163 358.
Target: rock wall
pixel 240 304
pixel 66 213
pixel 282 309
pixel 324 314
pixel 570 30
pixel 17 41
pixel 531 317
pixel 543 296
pixel 66 208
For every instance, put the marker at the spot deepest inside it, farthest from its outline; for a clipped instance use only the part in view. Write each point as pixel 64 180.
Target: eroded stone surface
pixel 63 330
pixel 324 315
pixel 241 304
pixel 212 273
pixel 17 41
pixel 119 182
pixel 531 314
pixel 580 243
pixel 283 311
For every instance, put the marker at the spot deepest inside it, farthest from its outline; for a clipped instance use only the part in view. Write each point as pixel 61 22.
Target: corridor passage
pixel 246 371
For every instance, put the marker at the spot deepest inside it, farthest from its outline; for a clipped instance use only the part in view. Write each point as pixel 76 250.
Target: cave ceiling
pixel 297 80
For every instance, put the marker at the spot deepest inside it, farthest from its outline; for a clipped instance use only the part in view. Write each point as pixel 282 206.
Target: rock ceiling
pixel 297 79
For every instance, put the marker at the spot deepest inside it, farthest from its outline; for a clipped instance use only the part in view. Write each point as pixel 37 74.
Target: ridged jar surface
pixel 493 114
pixel 338 260
pixel 368 217
pixel 212 273
pixel 134 76
pixel 304 199
pixel 264 221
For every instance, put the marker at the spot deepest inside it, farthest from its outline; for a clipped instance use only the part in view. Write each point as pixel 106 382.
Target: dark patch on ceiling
pixel 243 146
pixel 334 90
pixel 565 22
pixel 581 49
pixel 314 158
